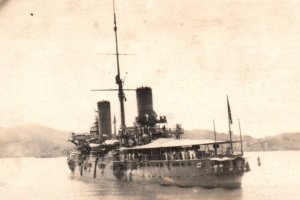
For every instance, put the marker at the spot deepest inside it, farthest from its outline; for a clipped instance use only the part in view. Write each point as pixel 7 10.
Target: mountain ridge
pixel 281 141
pixel 35 140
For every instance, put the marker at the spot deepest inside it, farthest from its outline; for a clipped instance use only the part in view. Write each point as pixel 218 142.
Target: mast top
pixel 119 81
pixel 115 29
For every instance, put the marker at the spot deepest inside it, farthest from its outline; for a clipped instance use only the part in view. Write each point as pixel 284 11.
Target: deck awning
pixel 171 142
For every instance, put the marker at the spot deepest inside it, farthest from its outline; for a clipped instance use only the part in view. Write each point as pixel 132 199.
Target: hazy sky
pixel 192 53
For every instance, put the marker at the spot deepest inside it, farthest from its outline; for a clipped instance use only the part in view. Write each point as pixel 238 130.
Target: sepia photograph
pixel 149 99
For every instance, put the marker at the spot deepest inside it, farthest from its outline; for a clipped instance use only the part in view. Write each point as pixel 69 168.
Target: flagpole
pixel 115 127
pixel 215 138
pixel 229 124
pixel 242 151
pixel 231 146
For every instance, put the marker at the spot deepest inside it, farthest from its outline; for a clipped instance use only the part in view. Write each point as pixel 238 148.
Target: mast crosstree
pixel 118 79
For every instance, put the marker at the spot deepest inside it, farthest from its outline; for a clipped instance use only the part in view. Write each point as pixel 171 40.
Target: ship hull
pixel 183 173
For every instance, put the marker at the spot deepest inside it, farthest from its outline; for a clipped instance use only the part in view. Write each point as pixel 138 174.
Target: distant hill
pixel 283 141
pixel 33 140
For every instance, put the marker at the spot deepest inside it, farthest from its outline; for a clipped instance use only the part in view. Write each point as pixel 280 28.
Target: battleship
pixel 150 151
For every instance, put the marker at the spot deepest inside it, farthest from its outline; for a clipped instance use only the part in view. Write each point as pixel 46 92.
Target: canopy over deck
pixel 171 142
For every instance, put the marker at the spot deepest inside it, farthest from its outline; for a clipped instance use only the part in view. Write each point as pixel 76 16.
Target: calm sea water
pixel 49 179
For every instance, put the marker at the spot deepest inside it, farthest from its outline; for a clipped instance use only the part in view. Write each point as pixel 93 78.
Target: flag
pixel 229 111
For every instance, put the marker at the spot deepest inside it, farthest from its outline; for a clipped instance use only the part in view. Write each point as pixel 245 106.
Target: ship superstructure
pixel 150 151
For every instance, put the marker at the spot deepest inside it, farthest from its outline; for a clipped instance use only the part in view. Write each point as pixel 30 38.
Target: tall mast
pixel 119 81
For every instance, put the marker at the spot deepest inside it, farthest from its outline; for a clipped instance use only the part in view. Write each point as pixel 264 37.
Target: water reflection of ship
pixel 150 151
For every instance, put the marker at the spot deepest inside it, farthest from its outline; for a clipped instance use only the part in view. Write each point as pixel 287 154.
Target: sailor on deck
pixel 192 154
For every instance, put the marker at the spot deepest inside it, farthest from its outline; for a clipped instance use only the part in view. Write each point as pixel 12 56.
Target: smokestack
pixel 146 114
pixel 104 118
